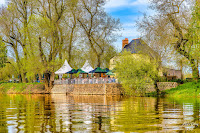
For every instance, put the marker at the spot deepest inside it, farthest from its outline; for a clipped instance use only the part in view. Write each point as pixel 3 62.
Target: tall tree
pixel 194 31
pixel 10 33
pixel 50 43
pixel 170 27
pixel 41 34
pixel 98 26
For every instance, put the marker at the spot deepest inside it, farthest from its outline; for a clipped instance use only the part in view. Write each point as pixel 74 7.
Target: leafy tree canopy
pixel 135 72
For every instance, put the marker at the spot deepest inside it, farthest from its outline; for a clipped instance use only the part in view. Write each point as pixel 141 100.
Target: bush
pixel 135 72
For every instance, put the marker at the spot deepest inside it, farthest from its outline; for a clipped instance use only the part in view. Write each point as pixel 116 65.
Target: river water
pixel 64 113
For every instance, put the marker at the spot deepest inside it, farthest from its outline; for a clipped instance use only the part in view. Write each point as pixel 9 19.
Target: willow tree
pixel 170 26
pixel 97 26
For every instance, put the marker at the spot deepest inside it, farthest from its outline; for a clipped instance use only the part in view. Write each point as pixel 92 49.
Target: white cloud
pixel 140 2
pixel 125 3
pixel 128 24
pixel 131 33
pixel 2 2
pixel 116 4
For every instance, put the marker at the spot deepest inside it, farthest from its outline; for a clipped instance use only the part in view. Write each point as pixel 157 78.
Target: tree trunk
pixel 156 87
pixel 195 70
pixel 60 55
pixel 52 77
pixel 99 61
pixel 20 78
pixel 46 82
pixel 181 69
pixel 40 78
pixel 34 79
pixel 23 77
pixel 70 43
pixel 19 64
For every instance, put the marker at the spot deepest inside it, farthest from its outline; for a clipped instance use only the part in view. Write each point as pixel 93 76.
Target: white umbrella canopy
pixel 86 67
pixel 64 69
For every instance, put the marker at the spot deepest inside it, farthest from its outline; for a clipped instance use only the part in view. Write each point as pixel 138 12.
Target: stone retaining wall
pixel 88 89
pixel 103 89
pixel 166 85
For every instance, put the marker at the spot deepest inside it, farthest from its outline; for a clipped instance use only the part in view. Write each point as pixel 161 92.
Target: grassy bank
pixel 189 89
pixel 22 88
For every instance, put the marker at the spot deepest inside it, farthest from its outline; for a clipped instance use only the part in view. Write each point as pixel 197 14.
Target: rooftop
pixel 139 46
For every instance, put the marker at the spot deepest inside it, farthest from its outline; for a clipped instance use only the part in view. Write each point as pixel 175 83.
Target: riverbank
pixel 22 88
pixel 189 89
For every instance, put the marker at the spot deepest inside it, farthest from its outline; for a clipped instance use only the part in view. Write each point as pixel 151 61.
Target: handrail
pixel 86 81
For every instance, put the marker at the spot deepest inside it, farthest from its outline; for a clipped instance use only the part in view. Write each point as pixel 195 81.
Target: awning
pixel 64 69
pixel 72 71
pixel 106 70
pixel 86 67
pixel 110 73
pixel 81 71
pixel 98 70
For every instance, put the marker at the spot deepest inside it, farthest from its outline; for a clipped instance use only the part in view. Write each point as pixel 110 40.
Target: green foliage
pixel 42 34
pixel 194 32
pixel 3 54
pixel 65 76
pixel 173 29
pixel 17 87
pixel 186 90
pixel 7 71
pixel 77 74
pixel 110 52
pixel 190 89
pixel 135 72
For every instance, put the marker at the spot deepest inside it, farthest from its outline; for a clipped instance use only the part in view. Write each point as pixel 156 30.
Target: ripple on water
pixel 63 113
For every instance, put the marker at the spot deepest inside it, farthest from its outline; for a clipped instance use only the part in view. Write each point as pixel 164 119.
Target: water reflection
pixel 84 113
pixel 96 113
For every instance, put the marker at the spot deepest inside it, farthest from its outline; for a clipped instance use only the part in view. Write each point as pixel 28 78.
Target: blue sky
pixel 128 11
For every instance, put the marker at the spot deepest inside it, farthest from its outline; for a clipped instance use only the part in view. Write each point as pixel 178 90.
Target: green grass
pixel 189 89
pixel 16 87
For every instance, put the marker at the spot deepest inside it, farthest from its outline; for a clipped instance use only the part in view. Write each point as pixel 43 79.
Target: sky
pixel 128 11
pixel 2 2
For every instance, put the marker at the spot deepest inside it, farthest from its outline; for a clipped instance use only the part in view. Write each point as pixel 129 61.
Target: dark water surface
pixel 61 113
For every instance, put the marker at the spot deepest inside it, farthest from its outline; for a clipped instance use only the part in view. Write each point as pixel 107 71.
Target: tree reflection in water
pixel 71 113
